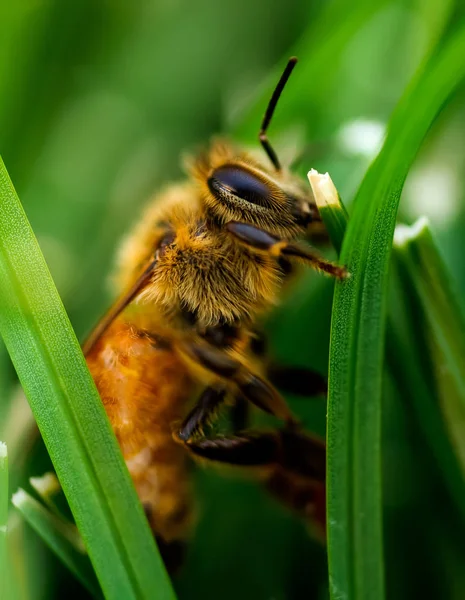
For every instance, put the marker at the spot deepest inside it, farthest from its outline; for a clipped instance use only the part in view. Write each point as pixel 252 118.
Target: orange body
pixel 145 388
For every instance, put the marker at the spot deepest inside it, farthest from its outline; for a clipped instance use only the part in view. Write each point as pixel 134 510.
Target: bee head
pixel 241 191
pixel 237 188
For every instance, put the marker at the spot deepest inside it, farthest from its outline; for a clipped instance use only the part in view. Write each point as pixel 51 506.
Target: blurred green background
pixel 98 100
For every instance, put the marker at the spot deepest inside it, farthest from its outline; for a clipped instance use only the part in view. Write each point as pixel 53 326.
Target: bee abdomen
pixel 145 390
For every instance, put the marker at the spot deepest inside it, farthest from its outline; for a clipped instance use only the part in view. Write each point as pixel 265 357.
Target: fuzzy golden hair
pixel 205 271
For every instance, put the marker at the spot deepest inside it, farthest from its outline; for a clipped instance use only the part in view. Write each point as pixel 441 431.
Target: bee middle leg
pixel 249 387
pixel 236 375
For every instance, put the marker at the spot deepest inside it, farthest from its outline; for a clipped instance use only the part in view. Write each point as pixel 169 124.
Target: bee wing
pixel 126 298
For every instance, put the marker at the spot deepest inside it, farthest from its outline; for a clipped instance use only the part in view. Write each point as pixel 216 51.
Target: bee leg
pixel 203 412
pixel 297 380
pixel 262 240
pixel 245 449
pixel 307 498
pixel 240 413
pixel 290 449
pixel 294 380
pixel 248 384
pixel 292 466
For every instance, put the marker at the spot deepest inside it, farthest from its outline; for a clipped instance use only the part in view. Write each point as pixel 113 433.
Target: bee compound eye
pixel 239 182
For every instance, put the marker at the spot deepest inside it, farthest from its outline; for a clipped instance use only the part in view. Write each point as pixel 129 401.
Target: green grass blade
pixel 432 334
pixel 355 543
pixel 3 514
pixel 70 415
pixel 445 321
pixel 62 537
pixel 426 381
pixel 48 489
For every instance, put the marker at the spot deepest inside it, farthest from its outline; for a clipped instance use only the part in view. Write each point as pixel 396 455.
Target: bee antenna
pixel 270 110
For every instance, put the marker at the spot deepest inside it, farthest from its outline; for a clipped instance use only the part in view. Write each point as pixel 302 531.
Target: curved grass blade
pixel 432 333
pixel 3 514
pixel 425 294
pixel 444 323
pixel 70 415
pixel 357 337
pixel 48 489
pixel 62 537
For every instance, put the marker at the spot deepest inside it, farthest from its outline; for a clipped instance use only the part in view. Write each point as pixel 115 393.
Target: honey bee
pixel 206 260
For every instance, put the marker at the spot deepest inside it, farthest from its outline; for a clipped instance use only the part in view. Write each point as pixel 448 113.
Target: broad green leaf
pixel 357 336
pixel 70 415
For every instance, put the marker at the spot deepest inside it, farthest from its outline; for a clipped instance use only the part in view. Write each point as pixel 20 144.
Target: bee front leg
pixel 261 240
